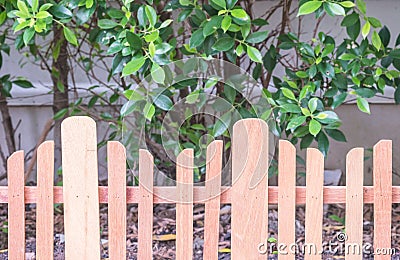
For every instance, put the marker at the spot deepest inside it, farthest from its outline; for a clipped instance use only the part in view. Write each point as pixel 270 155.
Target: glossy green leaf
pixel 376 40
pixel 107 24
pixel 336 9
pixel 149 111
pixel 257 37
pixel 240 14
pixel 226 23
pixel 70 36
pixel 254 54
pixel 224 44
pixel 309 7
pixel 151 15
pixel 365 29
pixel 163 102
pixel 363 105
pixel 134 65
pixel 314 127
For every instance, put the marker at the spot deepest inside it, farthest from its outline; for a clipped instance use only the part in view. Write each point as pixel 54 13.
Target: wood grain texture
pixel 184 205
pixel 382 172
pixel 80 180
pixel 45 204
pixel 354 203
pixel 286 197
pixel 16 206
pixel 145 211
pixel 116 156
pixel 212 205
pixel 314 204
pixel 332 194
pixel 249 197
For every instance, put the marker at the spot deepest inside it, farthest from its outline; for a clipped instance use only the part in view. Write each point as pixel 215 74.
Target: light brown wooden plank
pixel 184 205
pixel 332 194
pixel 45 204
pixel 249 220
pixel 354 203
pixel 286 198
pixel 382 171
pixel 314 204
pixel 212 205
pixel 80 180
pixel 145 211
pixel 116 200
pixel 16 206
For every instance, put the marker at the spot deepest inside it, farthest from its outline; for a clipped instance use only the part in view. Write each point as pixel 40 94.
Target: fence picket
pixel 145 214
pixel 16 206
pixel 116 200
pixel 184 205
pixel 212 204
pixel 314 204
pixel 80 180
pixel 249 221
pixel 45 204
pixel 354 203
pixel 382 170
pixel 286 198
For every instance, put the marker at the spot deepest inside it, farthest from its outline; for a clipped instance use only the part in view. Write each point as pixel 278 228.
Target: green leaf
pixel 323 143
pixel 107 24
pixel 347 4
pixel 336 9
pixel 312 104
pixel 350 19
pixel 196 39
pixel 254 54
pixel 257 37
pixel 336 135
pixel 149 111
pixel 222 124
pixel 239 50
pixel 314 127
pixel 363 105
pixel 35 5
pixel 395 54
pixel 376 40
pixel 220 3
pixel 224 44
pixel 211 26
pixel 374 22
pixel 296 122
pixel 45 7
pixel 365 30
pixel 134 40
pixel 28 35
pixel 240 14
pixel 184 14
pixel 288 93
pixel 309 7
pixel 42 14
pixel 397 95
pixel 226 23
pixel 362 6
pixel 157 73
pixel 290 108
pixel 163 102
pixel 151 15
pixel 60 114
pixel 384 34
pixel 61 12
pixel 23 8
pixel 70 36
pixel 134 65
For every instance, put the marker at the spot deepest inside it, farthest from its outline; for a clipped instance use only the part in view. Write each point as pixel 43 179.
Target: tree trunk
pixel 60 87
pixel 8 132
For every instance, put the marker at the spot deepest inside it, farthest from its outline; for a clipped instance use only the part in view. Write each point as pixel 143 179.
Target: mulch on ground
pixel 164 230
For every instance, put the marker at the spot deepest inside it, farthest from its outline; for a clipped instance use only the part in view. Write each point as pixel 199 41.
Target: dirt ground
pixel 164 231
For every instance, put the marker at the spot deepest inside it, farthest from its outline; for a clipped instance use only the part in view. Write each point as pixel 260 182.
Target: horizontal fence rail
pixel 250 196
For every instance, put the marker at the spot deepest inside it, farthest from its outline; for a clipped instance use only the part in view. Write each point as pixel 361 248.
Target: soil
pixel 164 231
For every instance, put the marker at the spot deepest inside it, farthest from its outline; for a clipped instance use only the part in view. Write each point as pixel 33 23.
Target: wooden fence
pixel 249 196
